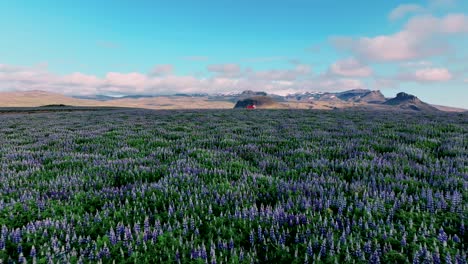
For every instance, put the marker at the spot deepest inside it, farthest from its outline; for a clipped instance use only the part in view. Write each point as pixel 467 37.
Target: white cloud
pixel 433 75
pixel 301 70
pixel 422 37
pixel 226 70
pixel 133 79
pixel 278 81
pixel 8 68
pixel 416 64
pixel 428 75
pixel 350 68
pixel 405 9
pixel 162 70
pixel 331 84
pixel 80 79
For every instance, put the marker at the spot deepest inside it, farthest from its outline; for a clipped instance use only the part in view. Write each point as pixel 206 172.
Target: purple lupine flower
pixel 252 238
pixel 310 251
pixel 137 228
pixel 203 252
pixel 403 241
pixel 358 252
pixel 436 258
pixel 332 248
pixel 367 247
pixel 461 259
pixel 323 249
pixel 260 233
pixel 448 258
pixel 282 239
pixel 112 237
pixel 106 251
pixel 91 256
pixel 343 238
pixel 192 224
pixel 146 235
pixel 16 236
pixel 193 254
pixel 442 235
pixel 2 242
pixel 185 226
pixel 32 253
pixel 129 250
pixel 375 258
pixel 120 229
pixel 272 234
pixel 128 234
pixel 146 224
pixel 231 244
pixel 21 258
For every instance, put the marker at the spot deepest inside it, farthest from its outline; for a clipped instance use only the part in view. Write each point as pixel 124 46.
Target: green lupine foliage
pixel 277 186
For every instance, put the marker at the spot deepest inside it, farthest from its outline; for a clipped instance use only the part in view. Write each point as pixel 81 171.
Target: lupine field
pixel 278 186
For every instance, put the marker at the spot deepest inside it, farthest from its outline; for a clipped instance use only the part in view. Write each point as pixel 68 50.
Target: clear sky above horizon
pixel 164 47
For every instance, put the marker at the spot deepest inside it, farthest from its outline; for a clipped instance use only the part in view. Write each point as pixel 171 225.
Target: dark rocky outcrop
pixel 258 101
pixel 55 105
pixel 402 98
pixel 409 102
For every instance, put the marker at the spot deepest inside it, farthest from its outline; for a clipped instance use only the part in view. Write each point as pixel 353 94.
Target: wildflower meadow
pixel 233 186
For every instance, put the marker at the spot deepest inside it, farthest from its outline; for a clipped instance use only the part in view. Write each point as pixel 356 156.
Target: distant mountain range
pixel 359 98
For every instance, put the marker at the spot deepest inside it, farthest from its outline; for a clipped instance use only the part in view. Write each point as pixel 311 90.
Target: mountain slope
pixel 409 102
pixel 373 97
pixel 362 95
pixel 39 98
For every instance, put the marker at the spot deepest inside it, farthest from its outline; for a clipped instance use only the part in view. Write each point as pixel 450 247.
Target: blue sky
pixel 162 47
